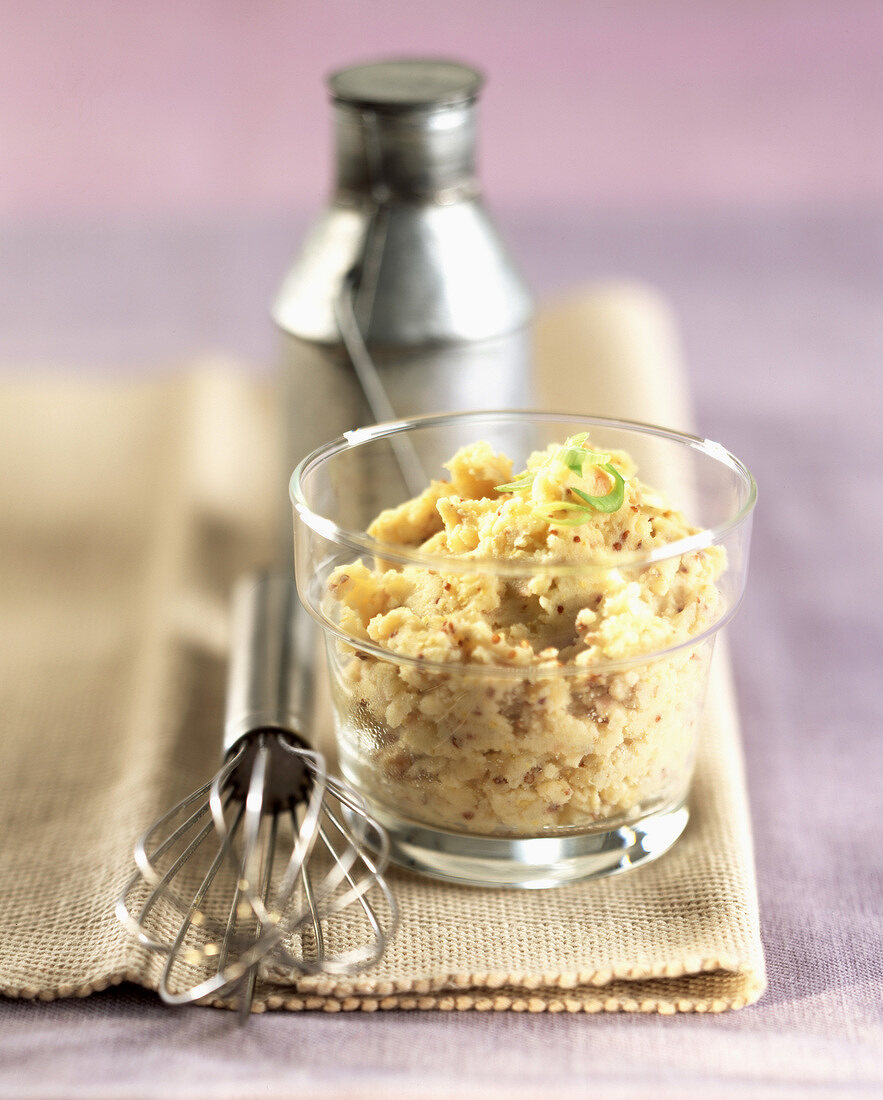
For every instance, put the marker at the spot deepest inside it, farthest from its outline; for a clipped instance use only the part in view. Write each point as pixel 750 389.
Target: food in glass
pixel 525 655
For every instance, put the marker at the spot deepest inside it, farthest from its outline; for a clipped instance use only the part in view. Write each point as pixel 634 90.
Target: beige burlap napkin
pixel 126 510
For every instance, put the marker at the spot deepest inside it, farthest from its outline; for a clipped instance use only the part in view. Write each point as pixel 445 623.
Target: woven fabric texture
pixel 126 511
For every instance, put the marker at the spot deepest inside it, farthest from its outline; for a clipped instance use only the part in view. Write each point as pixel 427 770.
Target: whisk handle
pixel 271 674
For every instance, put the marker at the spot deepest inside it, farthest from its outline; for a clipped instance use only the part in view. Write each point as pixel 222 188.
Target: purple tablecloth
pixel 782 316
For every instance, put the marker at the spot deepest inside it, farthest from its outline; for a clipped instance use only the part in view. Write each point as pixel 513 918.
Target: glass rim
pixel 362 542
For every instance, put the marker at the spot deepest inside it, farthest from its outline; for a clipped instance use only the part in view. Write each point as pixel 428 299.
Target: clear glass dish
pixel 525 717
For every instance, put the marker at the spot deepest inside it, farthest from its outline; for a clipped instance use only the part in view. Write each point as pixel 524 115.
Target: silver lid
pixel 405 129
pixel 406 84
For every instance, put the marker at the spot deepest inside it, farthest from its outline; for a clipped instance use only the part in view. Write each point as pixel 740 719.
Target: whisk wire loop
pixel 223 914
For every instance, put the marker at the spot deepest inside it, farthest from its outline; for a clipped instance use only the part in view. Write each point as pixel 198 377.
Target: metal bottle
pixel 403 299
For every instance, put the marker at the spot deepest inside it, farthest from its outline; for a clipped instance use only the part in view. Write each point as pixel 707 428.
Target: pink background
pixel 191 106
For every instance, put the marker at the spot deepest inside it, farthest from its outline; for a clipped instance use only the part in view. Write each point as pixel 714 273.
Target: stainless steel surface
pixel 252 868
pixel 404 299
pixel 322 397
pixel 407 153
pixel 272 664
pixel 406 83
pixel 373 389
pixel 406 200
pixel 445 276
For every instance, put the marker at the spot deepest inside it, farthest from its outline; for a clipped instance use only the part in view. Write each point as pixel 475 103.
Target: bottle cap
pixel 407 84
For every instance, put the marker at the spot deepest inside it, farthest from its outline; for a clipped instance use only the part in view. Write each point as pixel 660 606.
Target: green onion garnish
pixel 579 517
pixel 574 456
pixel 610 502
pixel 572 453
pixel 523 481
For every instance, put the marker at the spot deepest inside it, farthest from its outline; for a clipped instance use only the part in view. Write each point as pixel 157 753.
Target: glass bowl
pixel 518 683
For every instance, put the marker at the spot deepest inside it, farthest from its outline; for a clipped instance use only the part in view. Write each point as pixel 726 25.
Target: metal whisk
pixel 262 861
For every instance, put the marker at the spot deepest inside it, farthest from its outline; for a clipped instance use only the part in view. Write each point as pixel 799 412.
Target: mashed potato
pixel 527 703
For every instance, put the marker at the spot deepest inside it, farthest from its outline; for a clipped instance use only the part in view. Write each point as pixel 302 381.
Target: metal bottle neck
pixel 405 253
pixel 413 154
